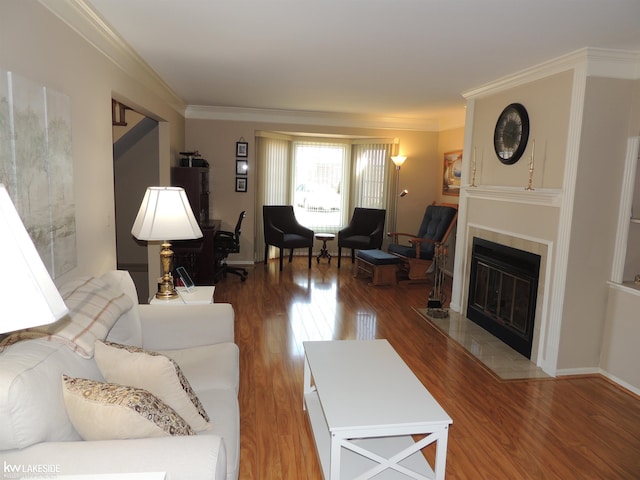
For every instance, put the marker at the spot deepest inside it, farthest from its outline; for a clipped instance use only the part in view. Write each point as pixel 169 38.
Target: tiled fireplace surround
pixel 512 239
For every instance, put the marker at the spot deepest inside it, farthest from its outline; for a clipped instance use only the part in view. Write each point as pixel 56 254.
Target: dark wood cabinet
pixel 195 181
pixel 196 256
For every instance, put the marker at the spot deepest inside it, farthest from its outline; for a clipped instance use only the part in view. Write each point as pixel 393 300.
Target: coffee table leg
pixel 336 450
pixel 307 387
pixel 441 455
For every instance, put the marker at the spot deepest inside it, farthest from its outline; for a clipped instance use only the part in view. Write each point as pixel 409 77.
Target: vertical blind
pixel 361 175
pixel 273 182
pixel 371 174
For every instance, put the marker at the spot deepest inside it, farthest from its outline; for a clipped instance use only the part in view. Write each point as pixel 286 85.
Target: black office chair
pixel 225 243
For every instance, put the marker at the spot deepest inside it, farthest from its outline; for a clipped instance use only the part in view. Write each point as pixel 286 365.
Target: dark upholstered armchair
pixel 282 230
pixel 365 231
pixel 417 255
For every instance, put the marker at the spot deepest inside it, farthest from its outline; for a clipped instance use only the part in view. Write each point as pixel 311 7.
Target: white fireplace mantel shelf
pixel 542 196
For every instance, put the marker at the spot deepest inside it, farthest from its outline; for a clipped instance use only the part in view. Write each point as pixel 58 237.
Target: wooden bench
pixel 381 266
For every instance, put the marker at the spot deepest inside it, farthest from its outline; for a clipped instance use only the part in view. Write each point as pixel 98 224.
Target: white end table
pixel 364 405
pixel 197 295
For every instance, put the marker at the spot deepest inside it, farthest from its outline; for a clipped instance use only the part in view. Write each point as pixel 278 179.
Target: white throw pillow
pixel 154 372
pixel 105 411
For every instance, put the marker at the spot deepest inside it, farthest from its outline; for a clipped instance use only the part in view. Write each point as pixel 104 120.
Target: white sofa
pixel 36 434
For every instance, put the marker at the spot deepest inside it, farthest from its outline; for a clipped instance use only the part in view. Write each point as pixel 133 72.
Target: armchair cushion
pixel 282 230
pixel 198 325
pixel 435 223
pixel 156 373
pixel 365 230
pixel 107 411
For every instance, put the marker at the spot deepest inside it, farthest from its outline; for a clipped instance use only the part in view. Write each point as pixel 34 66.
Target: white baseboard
pixel 598 371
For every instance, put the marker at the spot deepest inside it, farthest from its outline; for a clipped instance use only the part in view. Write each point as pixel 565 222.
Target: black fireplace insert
pixel 503 291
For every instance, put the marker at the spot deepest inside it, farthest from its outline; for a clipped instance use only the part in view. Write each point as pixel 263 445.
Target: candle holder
pixel 473 169
pixel 529 186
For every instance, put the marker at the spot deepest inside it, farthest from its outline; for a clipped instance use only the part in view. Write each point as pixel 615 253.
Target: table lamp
pixel 28 296
pixel 165 213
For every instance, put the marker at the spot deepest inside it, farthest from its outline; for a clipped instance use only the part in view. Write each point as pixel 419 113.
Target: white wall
pixel 37 45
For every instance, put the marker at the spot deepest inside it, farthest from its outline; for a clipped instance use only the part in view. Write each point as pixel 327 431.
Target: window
pixel 323 178
pixel 319 192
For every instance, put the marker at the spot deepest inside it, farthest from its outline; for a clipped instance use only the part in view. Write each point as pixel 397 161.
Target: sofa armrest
pixel 170 327
pixel 200 457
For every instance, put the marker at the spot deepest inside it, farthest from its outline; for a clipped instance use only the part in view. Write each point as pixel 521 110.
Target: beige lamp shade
pixel 28 296
pixel 165 214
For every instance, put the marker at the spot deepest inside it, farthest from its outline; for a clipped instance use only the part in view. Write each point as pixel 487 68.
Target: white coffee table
pixel 364 404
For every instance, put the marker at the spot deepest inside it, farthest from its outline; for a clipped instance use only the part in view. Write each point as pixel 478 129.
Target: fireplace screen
pixel 503 291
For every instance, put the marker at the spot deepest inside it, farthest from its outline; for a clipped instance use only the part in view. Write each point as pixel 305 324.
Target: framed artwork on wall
pixel 241 184
pixel 452 172
pixel 241 167
pixel 242 149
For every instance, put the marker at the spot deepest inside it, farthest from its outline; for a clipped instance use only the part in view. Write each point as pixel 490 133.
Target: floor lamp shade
pixel 28 296
pixel 165 214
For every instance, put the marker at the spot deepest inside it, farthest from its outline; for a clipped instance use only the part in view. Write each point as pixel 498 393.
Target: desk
pixel 197 256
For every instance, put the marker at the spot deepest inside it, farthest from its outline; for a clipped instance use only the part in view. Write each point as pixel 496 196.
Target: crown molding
pixel 299 117
pixel 80 17
pixel 622 64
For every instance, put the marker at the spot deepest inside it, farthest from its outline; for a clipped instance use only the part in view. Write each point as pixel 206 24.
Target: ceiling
pixel 409 59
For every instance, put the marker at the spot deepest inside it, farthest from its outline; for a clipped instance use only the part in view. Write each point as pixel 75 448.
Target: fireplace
pixel 503 290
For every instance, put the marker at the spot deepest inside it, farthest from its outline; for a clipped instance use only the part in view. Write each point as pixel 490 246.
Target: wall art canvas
pixel 36 166
pixel 452 173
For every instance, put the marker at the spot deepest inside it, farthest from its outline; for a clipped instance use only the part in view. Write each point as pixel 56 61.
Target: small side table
pixel 324 252
pixel 198 295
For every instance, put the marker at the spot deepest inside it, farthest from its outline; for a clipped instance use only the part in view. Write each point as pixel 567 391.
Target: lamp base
pixel 165 284
pixel 166 291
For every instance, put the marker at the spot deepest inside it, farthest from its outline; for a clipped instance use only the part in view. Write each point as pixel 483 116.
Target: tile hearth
pixel 494 354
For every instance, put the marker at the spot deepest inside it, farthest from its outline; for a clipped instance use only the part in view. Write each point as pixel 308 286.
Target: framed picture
pixel 241 184
pixel 242 149
pixel 241 167
pixel 452 172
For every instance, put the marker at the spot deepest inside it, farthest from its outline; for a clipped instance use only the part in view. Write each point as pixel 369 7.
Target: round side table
pixel 324 252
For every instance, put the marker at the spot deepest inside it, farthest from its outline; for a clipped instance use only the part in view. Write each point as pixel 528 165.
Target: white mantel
pixel 564 100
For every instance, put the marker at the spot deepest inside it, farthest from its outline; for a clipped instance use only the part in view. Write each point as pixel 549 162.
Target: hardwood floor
pixel 567 428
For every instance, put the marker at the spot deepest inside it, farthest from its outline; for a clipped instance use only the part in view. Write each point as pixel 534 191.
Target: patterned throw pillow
pixel 93 310
pixel 155 373
pixel 105 411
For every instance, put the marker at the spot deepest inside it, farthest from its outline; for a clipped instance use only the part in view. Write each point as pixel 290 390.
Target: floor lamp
pixel 165 214
pixel 397 160
pixel 28 296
